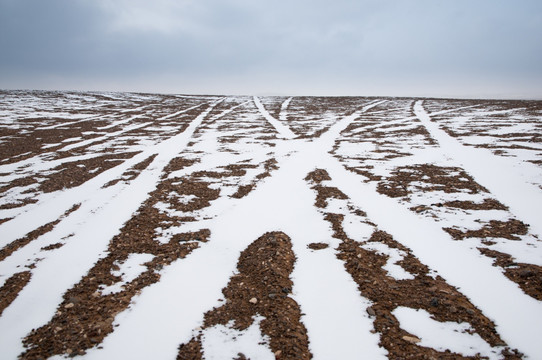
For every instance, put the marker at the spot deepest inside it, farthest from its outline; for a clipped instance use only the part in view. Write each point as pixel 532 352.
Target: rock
pixel 253 300
pixel 420 208
pixel 69 306
pixel 526 273
pixel 412 339
pixel 277 353
pixel 371 311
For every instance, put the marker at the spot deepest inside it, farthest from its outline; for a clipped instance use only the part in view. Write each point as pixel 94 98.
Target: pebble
pixel 253 300
pixel 371 311
pixel 69 306
pixel 412 339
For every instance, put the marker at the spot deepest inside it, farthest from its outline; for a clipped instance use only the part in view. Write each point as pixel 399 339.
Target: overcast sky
pixel 452 48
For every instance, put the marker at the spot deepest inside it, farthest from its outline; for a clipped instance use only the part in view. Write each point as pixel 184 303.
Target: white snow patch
pixel 355 229
pixel 444 335
pixel 224 342
pixel 128 270
pixel 395 255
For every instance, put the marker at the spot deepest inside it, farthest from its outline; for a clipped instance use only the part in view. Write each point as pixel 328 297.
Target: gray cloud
pixel 395 47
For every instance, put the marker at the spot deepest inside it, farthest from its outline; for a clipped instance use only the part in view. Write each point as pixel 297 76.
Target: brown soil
pixel 497 229
pixel 527 276
pixel 323 192
pixel 12 287
pixel 85 315
pixel 133 172
pixel 487 204
pixel 261 287
pixel 366 171
pixel 33 235
pixel 75 173
pixel 434 295
pixel 317 246
pixel 4 220
pixel 434 178
pixel 269 166
pixel 242 191
pixel 442 301
pixel 21 182
pixel 317 176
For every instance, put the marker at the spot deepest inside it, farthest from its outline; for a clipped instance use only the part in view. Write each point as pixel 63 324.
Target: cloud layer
pixel 465 48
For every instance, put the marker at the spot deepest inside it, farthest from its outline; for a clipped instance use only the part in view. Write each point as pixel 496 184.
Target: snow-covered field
pixel 140 226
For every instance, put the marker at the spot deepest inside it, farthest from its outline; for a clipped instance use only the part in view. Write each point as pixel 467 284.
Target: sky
pixel 440 48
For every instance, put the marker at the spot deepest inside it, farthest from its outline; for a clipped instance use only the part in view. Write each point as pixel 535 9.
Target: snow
pixel 170 312
pixel 283 130
pixel 224 342
pixel 514 190
pixel 443 336
pixel 128 270
pixel 395 255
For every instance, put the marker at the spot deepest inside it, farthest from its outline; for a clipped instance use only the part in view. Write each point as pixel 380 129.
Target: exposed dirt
pixel 317 246
pixel 495 229
pixel 434 295
pixel 269 166
pixel 317 176
pixel 323 192
pixel 487 204
pixel 242 191
pixel 21 182
pixel 12 287
pixel 133 172
pixel 72 174
pixel 428 177
pixel 85 315
pixel 33 235
pixel 261 287
pixel 527 276
pixel 443 301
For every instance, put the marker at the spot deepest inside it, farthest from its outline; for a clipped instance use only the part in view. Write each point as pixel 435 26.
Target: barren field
pixel 141 226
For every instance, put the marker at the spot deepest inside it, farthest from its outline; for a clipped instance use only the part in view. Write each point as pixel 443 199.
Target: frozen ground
pixel 158 226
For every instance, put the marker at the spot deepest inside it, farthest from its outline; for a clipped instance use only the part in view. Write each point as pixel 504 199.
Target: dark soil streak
pixel 434 295
pixel 133 172
pixel 436 178
pixel 85 315
pixel 496 229
pixel 12 287
pixel 527 276
pixel 261 287
pixel 72 174
pixel 33 235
